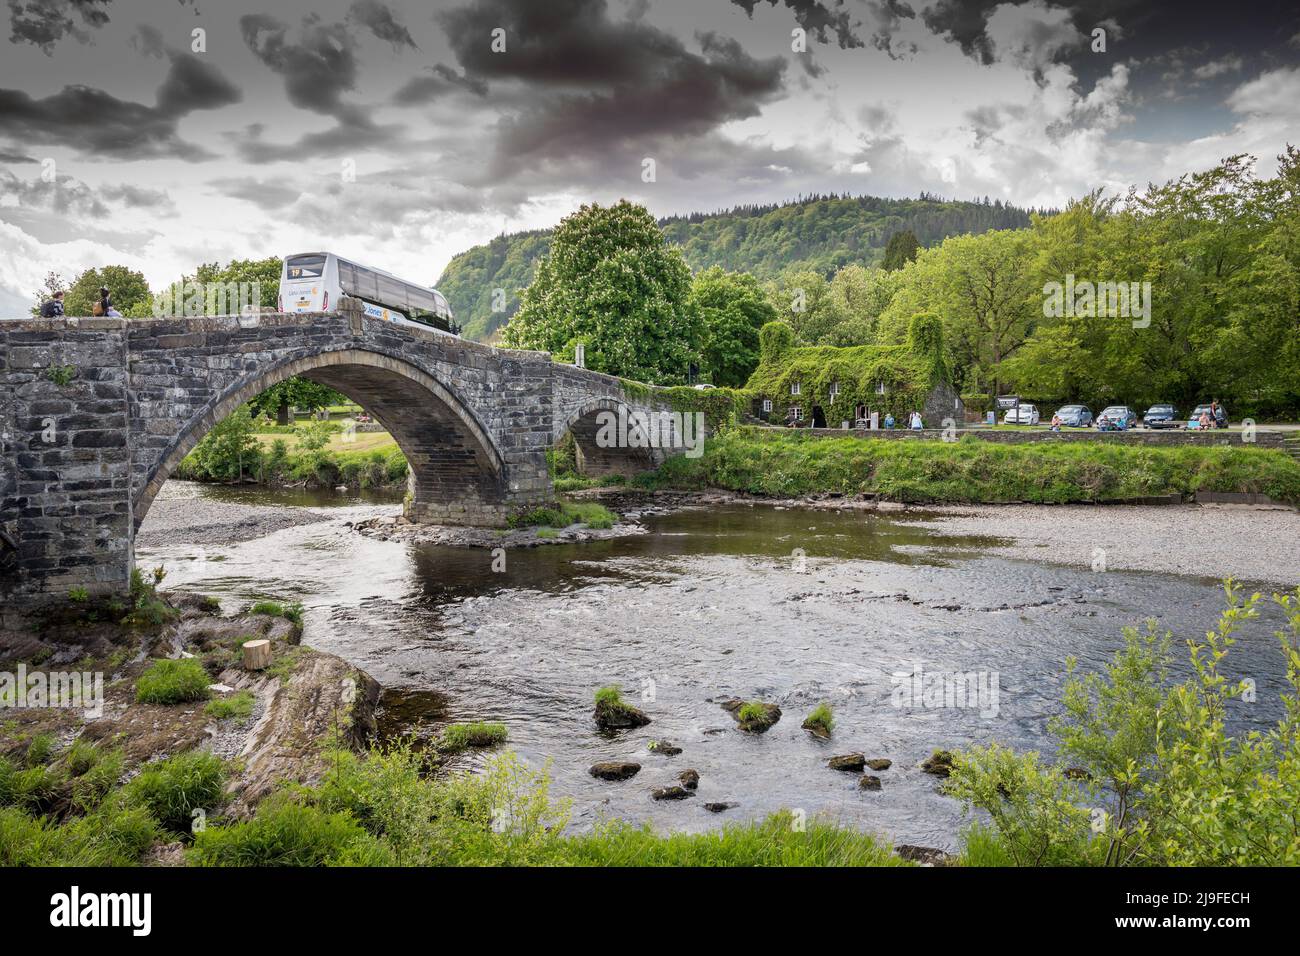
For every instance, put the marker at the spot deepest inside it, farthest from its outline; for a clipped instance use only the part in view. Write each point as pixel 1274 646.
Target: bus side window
pixel 347 277
pixel 393 294
pixel 366 287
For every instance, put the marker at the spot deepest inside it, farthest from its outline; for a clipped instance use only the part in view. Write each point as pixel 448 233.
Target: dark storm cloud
pixel 44 23
pixel 9 156
pixel 815 17
pixel 593 84
pixel 66 196
pixel 558 43
pixel 440 81
pixel 95 122
pixel 381 22
pixel 317 69
pixel 692 98
pixel 267 194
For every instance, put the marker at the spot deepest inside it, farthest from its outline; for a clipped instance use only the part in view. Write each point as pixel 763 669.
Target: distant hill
pixel 817 232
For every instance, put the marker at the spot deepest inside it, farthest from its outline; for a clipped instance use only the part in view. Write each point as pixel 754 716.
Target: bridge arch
pixel 584 422
pixel 457 473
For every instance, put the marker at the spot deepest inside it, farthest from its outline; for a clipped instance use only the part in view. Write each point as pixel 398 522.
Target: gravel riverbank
pixel 1256 545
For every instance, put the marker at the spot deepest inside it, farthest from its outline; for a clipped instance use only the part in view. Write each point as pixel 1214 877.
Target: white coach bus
pixel 316 281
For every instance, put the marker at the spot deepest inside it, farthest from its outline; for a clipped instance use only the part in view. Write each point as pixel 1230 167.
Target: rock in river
pixel 670 793
pixel 619 716
pixel 615 769
pixel 690 779
pixel 849 762
pixel 754 717
pixel 720 806
pixel 879 763
pixel 939 763
pixel 665 748
pixel 868 782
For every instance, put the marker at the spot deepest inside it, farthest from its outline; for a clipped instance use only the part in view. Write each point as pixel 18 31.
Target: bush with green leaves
pixel 172 789
pixel 168 681
pixel 1147 774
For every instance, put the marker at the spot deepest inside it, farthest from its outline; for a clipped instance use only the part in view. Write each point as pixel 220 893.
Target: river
pixel 788 606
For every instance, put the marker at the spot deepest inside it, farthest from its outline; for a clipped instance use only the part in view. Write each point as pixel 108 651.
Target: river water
pixel 792 607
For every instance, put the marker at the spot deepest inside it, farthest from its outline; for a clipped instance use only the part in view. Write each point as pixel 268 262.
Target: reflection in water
pixel 712 604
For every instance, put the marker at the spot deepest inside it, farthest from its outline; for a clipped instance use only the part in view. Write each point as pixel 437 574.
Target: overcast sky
pixel 398 133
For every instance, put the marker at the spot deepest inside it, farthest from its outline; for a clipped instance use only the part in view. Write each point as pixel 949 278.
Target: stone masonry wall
pixel 81 459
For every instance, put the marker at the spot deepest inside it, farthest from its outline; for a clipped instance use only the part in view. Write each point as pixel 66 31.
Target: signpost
pixel 1009 402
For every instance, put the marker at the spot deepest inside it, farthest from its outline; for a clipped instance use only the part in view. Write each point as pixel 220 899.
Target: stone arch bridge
pixel 95 414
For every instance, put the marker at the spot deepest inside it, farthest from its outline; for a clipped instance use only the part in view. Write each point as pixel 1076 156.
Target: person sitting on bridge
pixel 889 420
pixel 106 304
pixel 916 421
pixel 52 307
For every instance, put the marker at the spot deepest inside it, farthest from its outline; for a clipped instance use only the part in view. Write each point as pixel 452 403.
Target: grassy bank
pixel 782 464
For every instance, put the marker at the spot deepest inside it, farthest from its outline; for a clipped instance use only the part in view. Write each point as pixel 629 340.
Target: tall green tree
pixel 901 249
pixel 732 308
pixel 300 393
pixel 127 289
pixel 611 280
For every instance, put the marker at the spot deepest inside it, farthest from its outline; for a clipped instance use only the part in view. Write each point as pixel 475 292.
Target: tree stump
pixel 257 655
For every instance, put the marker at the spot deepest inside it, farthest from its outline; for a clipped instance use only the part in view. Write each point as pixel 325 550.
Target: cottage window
pixel 796 413
pixel 794 388
pixel 767 404
pixel 835 389
pixel 880 388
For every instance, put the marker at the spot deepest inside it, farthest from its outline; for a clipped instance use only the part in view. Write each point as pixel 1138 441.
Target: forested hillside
pixel 821 233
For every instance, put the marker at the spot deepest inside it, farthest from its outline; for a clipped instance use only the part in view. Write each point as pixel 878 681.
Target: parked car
pixel 1219 416
pixel 1117 418
pixel 1162 415
pixel 1025 414
pixel 1075 416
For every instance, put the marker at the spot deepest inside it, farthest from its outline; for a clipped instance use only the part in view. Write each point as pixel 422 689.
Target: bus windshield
pixel 304 267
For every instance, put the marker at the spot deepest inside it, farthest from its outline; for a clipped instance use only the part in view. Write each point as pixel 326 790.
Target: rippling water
pixel 709 605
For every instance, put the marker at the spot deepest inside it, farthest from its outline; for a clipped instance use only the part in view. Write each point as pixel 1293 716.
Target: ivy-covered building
pixel 824 386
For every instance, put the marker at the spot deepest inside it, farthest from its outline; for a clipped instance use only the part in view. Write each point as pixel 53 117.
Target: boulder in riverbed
pixel 924 855
pixel 720 806
pixel 670 793
pixel 615 769
pixel 868 782
pixel 852 763
pixel 938 763
pixel 665 748
pixel 690 779
pixel 614 713
pixel 755 716
pixel 879 763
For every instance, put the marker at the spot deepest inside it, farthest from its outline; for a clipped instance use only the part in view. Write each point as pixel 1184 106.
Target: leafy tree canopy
pixel 611 280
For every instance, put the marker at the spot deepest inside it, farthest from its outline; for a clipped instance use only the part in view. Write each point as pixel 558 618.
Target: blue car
pixel 1075 416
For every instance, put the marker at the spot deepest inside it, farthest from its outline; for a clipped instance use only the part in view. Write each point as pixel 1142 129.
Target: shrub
pixel 283 833
pixel 172 789
pixel 169 681
pixel 1167 784
pixel 457 737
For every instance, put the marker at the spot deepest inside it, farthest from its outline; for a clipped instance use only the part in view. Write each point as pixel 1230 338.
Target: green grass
pixel 174 788
pixel 754 710
pixel 238 705
pixel 456 737
pixel 380 809
pixel 290 612
pixel 820 718
pixel 564 514
pixel 781 464
pixel 169 681
pixel 611 697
